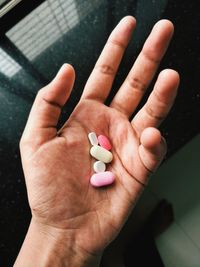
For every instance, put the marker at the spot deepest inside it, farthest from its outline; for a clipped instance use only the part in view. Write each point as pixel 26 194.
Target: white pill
pixel 93 138
pixel 99 166
pixel 101 154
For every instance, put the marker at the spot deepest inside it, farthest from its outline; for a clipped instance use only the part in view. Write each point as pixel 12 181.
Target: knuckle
pixel 45 96
pixel 42 93
pixel 136 83
pixel 149 55
pixel 153 114
pixel 115 42
pixel 160 99
pixel 105 69
pixel 39 95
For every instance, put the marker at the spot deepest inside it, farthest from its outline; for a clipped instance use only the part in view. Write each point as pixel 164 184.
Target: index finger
pixel 100 81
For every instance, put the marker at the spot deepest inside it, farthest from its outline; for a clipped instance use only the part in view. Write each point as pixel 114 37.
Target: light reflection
pixel 47 23
pixel 44 26
pixel 8 66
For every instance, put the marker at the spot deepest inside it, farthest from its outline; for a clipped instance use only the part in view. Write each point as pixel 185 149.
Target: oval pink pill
pixel 104 142
pixel 102 179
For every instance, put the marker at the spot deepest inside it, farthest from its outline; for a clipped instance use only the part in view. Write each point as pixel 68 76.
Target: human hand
pixel 57 165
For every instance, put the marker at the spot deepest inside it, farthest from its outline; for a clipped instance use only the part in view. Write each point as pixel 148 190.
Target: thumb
pixel 46 109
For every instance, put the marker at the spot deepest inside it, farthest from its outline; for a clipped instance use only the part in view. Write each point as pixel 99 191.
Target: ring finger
pixel 144 68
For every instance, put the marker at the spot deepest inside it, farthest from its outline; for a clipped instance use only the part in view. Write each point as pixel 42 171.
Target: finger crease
pixel 157 95
pixel 137 180
pixel 151 113
pixel 150 58
pixel 116 43
pixel 118 106
pixel 106 69
pixel 52 103
pixel 136 84
pixel 148 170
pixel 143 184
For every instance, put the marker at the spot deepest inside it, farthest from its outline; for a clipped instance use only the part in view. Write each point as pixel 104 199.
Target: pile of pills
pixel 100 150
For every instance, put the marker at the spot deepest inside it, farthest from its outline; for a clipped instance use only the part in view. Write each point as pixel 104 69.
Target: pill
pixel 93 138
pixel 99 166
pixel 102 179
pixel 104 142
pixel 101 154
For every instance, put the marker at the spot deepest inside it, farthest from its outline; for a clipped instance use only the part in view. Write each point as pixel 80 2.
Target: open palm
pixel 58 165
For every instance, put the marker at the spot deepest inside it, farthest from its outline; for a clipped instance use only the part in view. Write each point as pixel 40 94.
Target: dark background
pixel 80 45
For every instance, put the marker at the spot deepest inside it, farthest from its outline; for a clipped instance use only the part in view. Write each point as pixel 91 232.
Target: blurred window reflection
pixel 42 27
pixel 7 5
pixel 47 23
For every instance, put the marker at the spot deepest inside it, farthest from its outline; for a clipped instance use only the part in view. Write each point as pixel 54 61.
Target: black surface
pixel 142 250
pixel 17 13
pixel 81 46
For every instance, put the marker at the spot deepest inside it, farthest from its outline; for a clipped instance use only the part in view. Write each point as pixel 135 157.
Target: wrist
pixel 45 246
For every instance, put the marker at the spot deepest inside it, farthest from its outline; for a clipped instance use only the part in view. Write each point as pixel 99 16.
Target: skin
pixel 72 222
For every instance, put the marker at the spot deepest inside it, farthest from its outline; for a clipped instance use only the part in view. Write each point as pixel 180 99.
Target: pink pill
pixel 102 179
pixel 104 142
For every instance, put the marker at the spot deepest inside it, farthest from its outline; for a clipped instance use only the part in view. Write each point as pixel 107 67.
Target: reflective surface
pixel 75 31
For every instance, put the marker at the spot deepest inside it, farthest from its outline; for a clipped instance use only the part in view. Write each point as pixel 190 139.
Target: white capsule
pixel 101 154
pixel 99 166
pixel 93 138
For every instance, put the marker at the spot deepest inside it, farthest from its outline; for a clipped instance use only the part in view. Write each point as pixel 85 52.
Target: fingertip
pixel 68 67
pixel 65 70
pixel 158 40
pixel 170 74
pixel 122 33
pixel 125 27
pixel 129 19
pixel 167 24
pixel 64 78
pixel 59 89
pixel 150 137
pixel 167 84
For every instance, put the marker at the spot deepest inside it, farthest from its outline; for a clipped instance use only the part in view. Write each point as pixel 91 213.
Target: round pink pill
pixel 102 179
pixel 104 142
